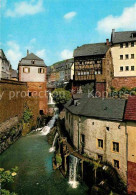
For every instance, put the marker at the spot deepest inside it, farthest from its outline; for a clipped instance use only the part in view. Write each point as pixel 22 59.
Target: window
pixel 116 163
pixel 132 44
pixel 41 112
pixel 134 35
pixel 115 146
pixel 26 70
pixel 132 68
pixel 30 93
pixel 107 128
pixel 121 68
pixel 121 45
pixel 41 70
pixel 127 68
pixel 121 57
pixel 126 56
pixel 126 44
pixel 100 143
pixel 132 56
pixel 33 61
pixel 92 123
pixel 100 157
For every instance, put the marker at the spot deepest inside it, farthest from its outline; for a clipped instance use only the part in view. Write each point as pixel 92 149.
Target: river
pixel 35 175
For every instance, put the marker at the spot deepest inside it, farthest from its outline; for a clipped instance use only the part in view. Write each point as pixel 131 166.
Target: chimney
pixel 27 52
pixel 113 32
pixel 107 42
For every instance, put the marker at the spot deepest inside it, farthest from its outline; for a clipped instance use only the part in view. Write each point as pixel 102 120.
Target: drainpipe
pixel 79 121
pixel 126 151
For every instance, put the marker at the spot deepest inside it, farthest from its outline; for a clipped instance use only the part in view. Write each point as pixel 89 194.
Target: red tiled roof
pixel 130 113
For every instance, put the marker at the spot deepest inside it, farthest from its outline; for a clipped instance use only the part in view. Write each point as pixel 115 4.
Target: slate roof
pixel 130 113
pixel 120 37
pixel 91 49
pixel 32 56
pixel 13 74
pixel 27 61
pixel 106 109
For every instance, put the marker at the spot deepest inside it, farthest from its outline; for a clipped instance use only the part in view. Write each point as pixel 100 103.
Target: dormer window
pixel 133 35
pixel 33 61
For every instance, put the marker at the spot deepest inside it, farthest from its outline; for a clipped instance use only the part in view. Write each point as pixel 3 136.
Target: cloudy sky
pixel 52 29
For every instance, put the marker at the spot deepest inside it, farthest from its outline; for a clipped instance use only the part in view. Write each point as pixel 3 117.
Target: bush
pixel 61 96
pixel 7 177
pixel 27 115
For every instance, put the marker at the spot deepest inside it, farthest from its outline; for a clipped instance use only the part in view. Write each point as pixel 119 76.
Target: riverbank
pixel 36 176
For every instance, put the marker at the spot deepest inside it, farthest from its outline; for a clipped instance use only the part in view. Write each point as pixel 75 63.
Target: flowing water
pixel 46 129
pixel 35 175
pixel 52 149
pixel 73 171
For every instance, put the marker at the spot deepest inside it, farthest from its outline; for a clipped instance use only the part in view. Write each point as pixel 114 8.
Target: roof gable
pixel 2 55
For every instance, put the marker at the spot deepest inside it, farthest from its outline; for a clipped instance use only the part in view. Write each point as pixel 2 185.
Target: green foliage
pixel 58 159
pixel 122 92
pixel 5 178
pixel 27 115
pixel 61 96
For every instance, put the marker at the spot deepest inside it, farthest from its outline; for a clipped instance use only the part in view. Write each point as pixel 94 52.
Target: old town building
pixel 97 128
pixel 105 129
pixel 60 72
pixel 5 66
pixel 32 70
pixel 93 65
pixel 123 51
pixel 69 70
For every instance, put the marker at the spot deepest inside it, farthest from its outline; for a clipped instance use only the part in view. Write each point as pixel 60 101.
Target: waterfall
pixel 50 124
pixel 52 149
pixel 73 162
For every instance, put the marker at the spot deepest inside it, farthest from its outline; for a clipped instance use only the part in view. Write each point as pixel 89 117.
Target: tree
pixel 61 96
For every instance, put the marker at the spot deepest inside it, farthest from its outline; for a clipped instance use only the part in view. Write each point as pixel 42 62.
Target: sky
pixel 52 29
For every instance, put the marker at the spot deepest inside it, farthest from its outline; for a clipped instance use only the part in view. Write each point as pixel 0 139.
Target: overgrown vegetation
pixel 27 115
pixel 122 92
pixel 61 96
pixel 5 178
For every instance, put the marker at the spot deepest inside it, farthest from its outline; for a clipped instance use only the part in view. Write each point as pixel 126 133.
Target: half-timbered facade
pixel 91 65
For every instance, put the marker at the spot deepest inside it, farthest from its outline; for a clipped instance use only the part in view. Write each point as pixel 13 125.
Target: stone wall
pixel 10 131
pixel 12 99
pixel 119 82
pixel 94 129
